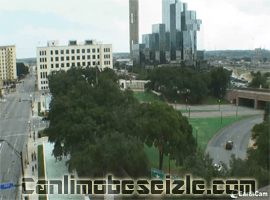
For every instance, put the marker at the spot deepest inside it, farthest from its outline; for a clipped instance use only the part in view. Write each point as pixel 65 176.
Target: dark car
pixel 229 145
pixel 44 118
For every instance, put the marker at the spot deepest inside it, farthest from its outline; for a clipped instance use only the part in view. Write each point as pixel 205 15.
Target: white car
pixel 218 166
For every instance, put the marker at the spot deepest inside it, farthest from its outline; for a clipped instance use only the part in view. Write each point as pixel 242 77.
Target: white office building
pixel 54 58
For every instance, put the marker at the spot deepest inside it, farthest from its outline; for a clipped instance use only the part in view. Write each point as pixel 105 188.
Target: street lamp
pixel 219 104
pixel 186 104
pixel 189 112
pixel 196 134
pixel 221 116
pixel 175 105
pixel 236 109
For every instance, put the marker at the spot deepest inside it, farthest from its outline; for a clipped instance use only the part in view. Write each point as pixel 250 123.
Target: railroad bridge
pixel 251 97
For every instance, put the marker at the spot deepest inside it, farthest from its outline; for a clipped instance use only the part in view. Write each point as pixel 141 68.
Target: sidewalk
pixel 32 147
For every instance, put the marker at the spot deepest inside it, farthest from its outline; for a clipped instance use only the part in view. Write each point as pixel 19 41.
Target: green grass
pixel 143 96
pixel 207 128
pixel 214 101
pixel 41 172
pixel 42 134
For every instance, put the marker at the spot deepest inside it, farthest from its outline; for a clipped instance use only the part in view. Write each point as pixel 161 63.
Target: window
pixel 88 57
pixel 57 65
pixel 93 57
pixel 88 64
pixel 40 66
pixel 51 52
pixel 98 50
pixel 56 52
pixel 83 64
pixel 41 75
pixel 52 59
pixel 98 63
pixel 40 53
pixel 73 58
pixel 73 64
pixel 62 51
pixel 94 63
pixel 62 58
pixel 67 58
pixel 72 51
pixel 67 65
pixel 78 57
pixel 78 50
pixel 98 56
pixel 56 59
pixel 131 18
pixel 67 51
pixel 62 65
pixel 78 64
pixel 83 57
pixel 83 50
pixel 44 52
pixel 93 50
pixel 40 60
pixel 51 65
pixel 88 50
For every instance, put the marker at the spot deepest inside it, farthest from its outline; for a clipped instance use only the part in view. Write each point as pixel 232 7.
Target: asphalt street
pixel 239 133
pixel 14 129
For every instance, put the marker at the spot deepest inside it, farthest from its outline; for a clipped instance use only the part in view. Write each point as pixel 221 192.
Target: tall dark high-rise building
pixel 133 24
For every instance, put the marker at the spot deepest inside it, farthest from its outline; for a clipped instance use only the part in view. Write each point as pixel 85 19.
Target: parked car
pixel 229 145
pixel 218 167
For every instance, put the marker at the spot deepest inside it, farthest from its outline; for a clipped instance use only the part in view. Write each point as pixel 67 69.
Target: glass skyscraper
pixel 176 37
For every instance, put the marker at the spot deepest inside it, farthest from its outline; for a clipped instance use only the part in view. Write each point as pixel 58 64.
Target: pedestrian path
pixel 31 169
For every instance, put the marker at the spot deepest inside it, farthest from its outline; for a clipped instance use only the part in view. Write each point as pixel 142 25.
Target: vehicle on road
pixel 44 119
pixel 229 145
pixel 218 166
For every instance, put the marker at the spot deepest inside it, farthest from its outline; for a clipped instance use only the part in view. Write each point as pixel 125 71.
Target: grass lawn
pixel 41 173
pixel 143 96
pixel 42 134
pixel 207 128
pixel 214 101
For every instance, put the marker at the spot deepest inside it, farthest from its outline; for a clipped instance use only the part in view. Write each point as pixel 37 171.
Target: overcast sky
pixel 228 24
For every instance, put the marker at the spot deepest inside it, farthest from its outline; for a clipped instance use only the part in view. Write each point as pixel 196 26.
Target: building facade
pixel 55 58
pixel 8 70
pixel 133 24
pixel 175 40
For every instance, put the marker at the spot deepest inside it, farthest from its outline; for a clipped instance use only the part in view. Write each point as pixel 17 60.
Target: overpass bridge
pixel 251 97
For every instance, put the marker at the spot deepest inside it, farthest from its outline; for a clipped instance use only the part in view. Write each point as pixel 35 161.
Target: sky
pixel 227 24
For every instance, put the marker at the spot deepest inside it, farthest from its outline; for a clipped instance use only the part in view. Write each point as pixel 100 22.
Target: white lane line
pixel 8 170
pixel 218 156
pixel 15 144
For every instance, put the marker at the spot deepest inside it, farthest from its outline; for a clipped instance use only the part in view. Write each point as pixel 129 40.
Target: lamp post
pixel 219 104
pixel 196 134
pixel 169 165
pixel 221 116
pixel 236 109
pixel 175 105
pixel 186 104
pixel 189 112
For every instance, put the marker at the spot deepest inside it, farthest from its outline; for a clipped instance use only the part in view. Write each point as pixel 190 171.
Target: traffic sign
pixel 6 186
pixel 156 173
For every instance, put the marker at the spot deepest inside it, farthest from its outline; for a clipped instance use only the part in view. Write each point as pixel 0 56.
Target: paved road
pixel 239 133
pixel 14 129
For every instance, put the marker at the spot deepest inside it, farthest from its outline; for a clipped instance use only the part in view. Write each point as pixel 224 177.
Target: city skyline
pixel 32 23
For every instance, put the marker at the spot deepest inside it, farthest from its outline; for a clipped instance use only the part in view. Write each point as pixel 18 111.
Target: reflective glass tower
pixel 133 24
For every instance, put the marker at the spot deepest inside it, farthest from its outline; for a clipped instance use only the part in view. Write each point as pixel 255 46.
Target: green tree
pixel 169 131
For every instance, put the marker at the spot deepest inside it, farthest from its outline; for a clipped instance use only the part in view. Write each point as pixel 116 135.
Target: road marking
pixel 222 144
pixel 8 170
pixel 15 144
pixel 218 156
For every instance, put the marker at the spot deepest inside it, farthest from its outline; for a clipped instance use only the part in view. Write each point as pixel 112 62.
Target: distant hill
pixel 28 60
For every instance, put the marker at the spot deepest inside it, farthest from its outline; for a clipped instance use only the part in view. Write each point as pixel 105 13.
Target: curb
pixel 223 129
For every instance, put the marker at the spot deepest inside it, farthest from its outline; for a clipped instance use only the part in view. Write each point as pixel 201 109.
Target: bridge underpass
pixel 246 102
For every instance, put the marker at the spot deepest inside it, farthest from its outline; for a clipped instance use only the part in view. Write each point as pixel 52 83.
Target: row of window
pixel 107 56
pixel 43 74
pixel 56 52
pixel 44 82
pixel 88 57
pixel 107 50
pixel 45 88
pixel 42 53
